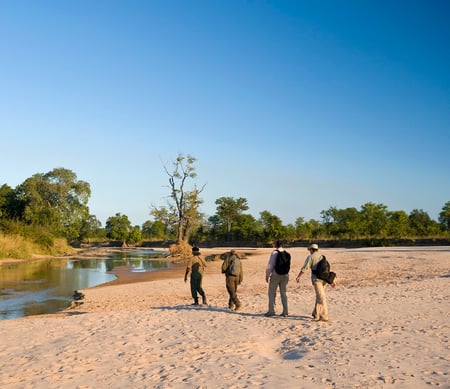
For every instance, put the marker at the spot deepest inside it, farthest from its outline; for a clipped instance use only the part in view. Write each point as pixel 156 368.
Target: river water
pixel 46 286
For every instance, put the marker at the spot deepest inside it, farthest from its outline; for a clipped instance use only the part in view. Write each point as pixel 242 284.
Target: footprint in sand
pixel 294 355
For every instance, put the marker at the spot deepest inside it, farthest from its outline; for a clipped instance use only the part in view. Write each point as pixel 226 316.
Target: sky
pixel 296 106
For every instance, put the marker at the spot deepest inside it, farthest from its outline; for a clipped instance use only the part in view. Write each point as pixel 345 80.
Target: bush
pixel 180 250
pixel 45 241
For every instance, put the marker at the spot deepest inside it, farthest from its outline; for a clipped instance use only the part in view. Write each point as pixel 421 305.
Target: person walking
pixel 196 266
pixel 234 274
pixel 278 279
pixel 320 311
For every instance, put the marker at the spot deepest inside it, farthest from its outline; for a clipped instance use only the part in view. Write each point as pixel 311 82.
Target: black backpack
pixel 283 262
pixel 323 272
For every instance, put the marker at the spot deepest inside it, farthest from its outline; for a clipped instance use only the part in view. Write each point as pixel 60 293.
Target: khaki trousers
pixel 320 308
pixel 232 283
pixel 276 281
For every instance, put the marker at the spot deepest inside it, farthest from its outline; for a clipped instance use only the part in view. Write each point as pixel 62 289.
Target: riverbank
pixel 388 327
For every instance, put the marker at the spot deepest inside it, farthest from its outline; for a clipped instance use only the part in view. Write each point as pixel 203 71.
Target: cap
pixel 313 247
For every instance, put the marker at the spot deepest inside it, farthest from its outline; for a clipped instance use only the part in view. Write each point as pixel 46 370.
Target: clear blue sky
pixel 296 106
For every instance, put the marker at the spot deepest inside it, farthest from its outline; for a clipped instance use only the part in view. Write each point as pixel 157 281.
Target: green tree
pixel 421 223
pixel 316 228
pixel 135 235
pixel 229 209
pixel 272 227
pixel 397 224
pixel 329 221
pixel 90 228
pixel 444 217
pixel 6 196
pixel 167 216
pixel 155 230
pixel 289 233
pixel 374 220
pixel 302 229
pixel 185 203
pixel 118 227
pixel 247 228
pixel 56 200
pixel 342 223
pixel 202 232
pixel 215 227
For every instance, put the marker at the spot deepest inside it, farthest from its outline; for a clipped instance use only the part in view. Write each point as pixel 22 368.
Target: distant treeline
pixel 52 206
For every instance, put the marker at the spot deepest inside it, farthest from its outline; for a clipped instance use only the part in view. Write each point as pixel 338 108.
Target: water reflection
pixel 46 286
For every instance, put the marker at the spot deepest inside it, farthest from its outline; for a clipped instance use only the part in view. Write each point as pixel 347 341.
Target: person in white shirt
pixel 276 281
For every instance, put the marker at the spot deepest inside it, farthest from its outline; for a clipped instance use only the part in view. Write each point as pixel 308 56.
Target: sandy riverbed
pixel 389 327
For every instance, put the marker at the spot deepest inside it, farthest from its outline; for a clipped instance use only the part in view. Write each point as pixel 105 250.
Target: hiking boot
pixel 269 314
pixel 204 302
pixel 238 307
pixel 195 302
pixel 284 314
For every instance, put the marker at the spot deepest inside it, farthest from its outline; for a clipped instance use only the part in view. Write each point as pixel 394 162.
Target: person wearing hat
pixel 196 266
pixel 320 311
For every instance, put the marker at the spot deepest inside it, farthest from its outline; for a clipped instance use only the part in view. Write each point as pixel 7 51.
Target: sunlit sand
pixel 389 327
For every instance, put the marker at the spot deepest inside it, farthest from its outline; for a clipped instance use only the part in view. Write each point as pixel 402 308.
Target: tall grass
pixel 15 247
pixel 20 247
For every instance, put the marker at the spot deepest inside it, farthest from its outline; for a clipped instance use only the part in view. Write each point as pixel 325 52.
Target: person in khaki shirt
pixel 320 311
pixel 196 266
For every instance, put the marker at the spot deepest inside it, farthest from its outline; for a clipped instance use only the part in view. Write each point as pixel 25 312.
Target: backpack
pixel 234 266
pixel 283 262
pixel 323 272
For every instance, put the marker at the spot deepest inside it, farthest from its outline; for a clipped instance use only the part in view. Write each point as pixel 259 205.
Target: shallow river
pixel 47 286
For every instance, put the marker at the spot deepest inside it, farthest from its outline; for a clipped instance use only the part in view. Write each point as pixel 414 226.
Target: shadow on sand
pixel 212 308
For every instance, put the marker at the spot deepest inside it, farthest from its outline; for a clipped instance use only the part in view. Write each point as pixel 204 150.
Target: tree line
pixel 55 205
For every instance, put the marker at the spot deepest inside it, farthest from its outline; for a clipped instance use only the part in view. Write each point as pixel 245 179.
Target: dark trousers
pixel 196 285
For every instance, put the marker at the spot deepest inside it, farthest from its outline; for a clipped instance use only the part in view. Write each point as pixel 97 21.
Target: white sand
pixel 389 327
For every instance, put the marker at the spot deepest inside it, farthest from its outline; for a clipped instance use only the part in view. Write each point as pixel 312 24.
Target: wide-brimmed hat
pixel 313 246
